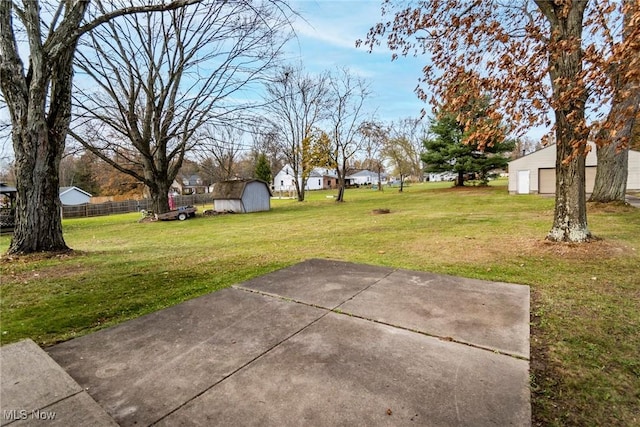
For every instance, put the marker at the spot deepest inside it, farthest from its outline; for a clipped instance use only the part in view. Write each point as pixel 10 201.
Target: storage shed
pixel 74 196
pixel 241 196
pixel 536 173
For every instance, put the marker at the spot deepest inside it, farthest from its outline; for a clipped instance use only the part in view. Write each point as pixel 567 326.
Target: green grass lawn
pixel 585 331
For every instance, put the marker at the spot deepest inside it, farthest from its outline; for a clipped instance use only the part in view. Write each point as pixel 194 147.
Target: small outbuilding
pixel 241 196
pixel 536 173
pixel 72 196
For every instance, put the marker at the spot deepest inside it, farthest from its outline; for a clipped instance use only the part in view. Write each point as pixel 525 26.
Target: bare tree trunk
pixel 341 185
pixel 300 185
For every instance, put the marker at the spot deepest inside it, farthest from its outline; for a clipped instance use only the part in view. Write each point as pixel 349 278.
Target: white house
pixel 366 177
pixel 74 196
pixel 322 179
pixel 192 184
pixel 319 179
pixel 536 172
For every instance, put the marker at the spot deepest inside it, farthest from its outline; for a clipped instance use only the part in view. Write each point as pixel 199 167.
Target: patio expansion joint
pixel 240 368
pixel 337 310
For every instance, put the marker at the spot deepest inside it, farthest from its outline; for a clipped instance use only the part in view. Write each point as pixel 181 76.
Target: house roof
pixel 366 173
pixel 319 172
pixel 231 190
pixel 64 190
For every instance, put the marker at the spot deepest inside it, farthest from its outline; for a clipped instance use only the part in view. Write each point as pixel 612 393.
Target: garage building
pixel 535 173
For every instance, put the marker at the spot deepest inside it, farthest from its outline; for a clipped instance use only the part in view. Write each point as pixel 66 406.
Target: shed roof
pixel 64 190
pixel 234 189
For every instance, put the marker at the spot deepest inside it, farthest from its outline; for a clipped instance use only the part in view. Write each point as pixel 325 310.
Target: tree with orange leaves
pixel 529 57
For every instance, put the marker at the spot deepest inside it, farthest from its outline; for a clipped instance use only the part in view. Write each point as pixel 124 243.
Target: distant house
pixel 71 196
pixel 322 179
pixel 192 184
pixel 241 196
pixel 319 179
pixel 366 177
pixel 536 172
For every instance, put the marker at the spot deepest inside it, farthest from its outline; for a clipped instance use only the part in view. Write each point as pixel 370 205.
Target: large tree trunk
pixel 160 196
pixel 611 174
pixel 38 218
pixel 570 215
pixel 569 96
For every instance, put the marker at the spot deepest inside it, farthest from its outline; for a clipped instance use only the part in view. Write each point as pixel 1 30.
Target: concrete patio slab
pixel 34 389
pixel 271 352
pixel 146 368
pixel 348 371
pixel 319 282
pixel 485 314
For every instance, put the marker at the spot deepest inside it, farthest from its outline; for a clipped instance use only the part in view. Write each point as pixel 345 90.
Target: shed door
pixel 547 181
pixel 523 182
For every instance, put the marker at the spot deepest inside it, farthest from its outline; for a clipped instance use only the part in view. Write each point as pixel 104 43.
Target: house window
pixel 281 183
pixel 319 183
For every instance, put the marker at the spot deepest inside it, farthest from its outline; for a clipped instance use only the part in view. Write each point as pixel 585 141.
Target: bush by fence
pixel 110 208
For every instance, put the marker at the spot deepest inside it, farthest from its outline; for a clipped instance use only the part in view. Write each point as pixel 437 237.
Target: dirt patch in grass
pixel 16 268
pixel 597 249
pixel 471 249
pixel 39 256
pixel 464 189
pixel 380 211
pixel 613 207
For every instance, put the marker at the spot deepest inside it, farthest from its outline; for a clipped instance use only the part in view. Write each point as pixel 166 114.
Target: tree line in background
pixel 406 149
pixel 170 86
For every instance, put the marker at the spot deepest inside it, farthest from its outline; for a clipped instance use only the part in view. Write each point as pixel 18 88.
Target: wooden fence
pixel 110 208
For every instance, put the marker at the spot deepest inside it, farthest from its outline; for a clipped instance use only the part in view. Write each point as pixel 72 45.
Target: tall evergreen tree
pixel 450 150
pixel 263 170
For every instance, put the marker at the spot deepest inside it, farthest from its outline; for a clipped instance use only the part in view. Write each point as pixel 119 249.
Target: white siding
pixel 542 159
pixel 633 179
pixel 314 183
pixel 284 180
pixel 228 205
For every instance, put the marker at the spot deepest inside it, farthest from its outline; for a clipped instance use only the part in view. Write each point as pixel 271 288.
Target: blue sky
pixel 327 40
